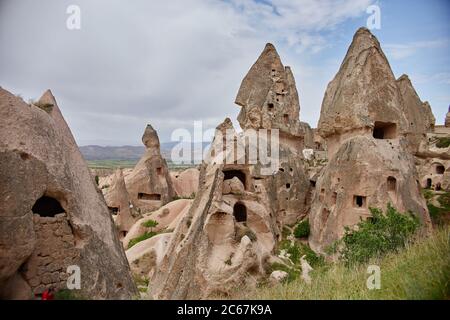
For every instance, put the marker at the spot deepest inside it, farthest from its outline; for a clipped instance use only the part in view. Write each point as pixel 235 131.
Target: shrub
pixel 427 194
pixel 313 259
pixel 302 229
pixel 377 235
pixel 143 237
pixel 298 250
pixel 443 142
pixel 292 249
pixel 150 224
pixel 96 180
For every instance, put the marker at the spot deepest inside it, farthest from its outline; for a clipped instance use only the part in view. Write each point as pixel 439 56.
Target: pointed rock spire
pixel 268 95
pixel 364 91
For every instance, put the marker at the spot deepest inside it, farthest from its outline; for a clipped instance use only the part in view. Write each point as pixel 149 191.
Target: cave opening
pixel 384 130
pixel 47 207
pixel 240 212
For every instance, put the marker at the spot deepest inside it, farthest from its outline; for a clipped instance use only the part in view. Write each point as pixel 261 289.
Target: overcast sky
pixel 169 63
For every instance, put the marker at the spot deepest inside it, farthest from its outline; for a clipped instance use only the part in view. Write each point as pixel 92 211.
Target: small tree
pixel 150 224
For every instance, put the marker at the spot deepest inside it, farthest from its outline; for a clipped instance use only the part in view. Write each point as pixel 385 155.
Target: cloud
pixel 166 63
pixel 402 51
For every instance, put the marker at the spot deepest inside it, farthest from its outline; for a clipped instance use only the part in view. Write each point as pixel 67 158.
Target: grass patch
pixel 145 236
pixel 417 271
pixel 443 142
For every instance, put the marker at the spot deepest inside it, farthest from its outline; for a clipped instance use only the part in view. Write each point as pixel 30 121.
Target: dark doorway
pixel 359 201
pixel 440 169
pixel 429 183
pixel 113 210
pixel 230 174
pixel 47 207
pixel 240 212
pixel 438 187
pixel 146 196
pixel 384 130
pixel 391 184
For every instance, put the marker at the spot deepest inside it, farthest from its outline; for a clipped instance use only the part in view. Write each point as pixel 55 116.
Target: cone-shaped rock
pixel 268 96
pixel 363 92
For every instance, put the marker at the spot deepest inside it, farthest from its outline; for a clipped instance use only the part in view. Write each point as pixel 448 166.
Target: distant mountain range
pixel 94 152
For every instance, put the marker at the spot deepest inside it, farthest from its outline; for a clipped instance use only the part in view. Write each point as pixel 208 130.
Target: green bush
pixel 143 237
pixel 298 250
pixel 376 236
pixel 313 259
pixel 443 143
pixel 302 229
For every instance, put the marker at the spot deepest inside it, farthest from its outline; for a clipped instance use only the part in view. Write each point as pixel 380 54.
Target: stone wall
pixel 55 250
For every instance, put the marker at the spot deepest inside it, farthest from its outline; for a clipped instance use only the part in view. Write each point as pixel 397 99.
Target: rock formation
pixel 120 205
pixel 234 224
pixel 51 213
pixel 364 98
pixel 372 124
pixel 269 99
pixel 149 184
pixel 364 173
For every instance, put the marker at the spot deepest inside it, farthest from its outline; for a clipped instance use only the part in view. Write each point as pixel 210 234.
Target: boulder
pixel 278 276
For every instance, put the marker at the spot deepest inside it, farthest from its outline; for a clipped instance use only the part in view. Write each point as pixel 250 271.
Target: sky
pixel 170 63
